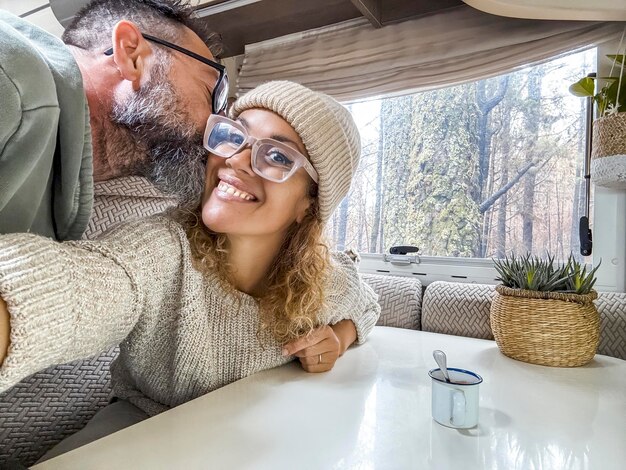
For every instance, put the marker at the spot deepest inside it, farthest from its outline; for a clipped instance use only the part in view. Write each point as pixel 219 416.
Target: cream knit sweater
pixel 182 335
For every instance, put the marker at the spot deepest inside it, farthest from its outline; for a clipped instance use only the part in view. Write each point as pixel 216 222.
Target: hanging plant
pixel 611 98
pixel 608 151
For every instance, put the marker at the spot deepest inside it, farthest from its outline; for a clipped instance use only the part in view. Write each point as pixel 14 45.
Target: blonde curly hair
pixel 290 306
pixel 294 297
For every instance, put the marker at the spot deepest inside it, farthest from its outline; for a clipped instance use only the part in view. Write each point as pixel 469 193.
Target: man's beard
pixel 165 145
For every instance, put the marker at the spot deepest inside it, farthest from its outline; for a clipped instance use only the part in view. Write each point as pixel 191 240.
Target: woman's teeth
pixel 228 189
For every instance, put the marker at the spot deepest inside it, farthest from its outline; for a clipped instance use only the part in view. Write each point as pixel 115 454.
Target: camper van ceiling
pixel 242 22
pixel 64 10
pixel 586 10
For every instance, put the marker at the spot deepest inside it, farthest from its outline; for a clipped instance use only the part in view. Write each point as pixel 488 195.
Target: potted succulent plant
pixel 608 154
pixel 544 313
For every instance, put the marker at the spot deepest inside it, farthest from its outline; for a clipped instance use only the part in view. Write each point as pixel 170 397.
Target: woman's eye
pixel 218 136
pixel 235 138
pixel 275 157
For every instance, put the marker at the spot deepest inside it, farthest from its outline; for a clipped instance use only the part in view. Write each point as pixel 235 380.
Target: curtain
pixel 353 60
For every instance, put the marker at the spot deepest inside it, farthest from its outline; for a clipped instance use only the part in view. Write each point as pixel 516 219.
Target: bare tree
pixel 377 226
pixel 533 117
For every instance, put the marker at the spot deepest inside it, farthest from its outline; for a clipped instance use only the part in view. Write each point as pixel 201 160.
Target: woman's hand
pixel 319 350
pixel 5 329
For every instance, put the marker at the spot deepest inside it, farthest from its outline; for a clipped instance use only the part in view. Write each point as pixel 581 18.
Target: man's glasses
pixel 270 159
pixel 220 91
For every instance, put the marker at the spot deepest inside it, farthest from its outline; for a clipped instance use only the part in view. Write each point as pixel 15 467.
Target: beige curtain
pixel 352 60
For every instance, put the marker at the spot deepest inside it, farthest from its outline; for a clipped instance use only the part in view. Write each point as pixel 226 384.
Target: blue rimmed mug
pixel 455 403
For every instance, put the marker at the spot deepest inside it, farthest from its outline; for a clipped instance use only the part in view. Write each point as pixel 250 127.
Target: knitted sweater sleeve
pixel 72 300
pixel 350 298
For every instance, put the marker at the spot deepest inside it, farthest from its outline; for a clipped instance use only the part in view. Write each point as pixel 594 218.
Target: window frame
pixel 609 240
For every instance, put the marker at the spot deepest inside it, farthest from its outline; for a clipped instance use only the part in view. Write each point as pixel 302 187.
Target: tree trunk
pixel 343 224
pixel 375 236
pixel 485 133
pixel 485 106
pixel 504 177
pixel 532 125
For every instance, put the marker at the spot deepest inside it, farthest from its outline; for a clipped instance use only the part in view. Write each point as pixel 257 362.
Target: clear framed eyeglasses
pixel 270 159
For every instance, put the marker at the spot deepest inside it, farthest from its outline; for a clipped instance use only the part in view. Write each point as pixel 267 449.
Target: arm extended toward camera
pixel 5 330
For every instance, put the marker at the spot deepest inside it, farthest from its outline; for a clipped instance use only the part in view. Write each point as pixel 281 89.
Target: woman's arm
pixel 68 301
pixel 350 298
pixel 345 331
pixel 351 313
pixel 319 351
pixel 5 330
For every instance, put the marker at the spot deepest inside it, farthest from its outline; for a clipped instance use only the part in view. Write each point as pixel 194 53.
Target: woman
pixel 200 300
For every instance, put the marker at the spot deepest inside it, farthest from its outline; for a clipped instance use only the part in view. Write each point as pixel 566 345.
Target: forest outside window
pixel 476 170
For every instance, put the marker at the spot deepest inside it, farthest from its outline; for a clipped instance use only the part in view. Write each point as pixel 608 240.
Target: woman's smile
pixel 238 201
pixel 229 191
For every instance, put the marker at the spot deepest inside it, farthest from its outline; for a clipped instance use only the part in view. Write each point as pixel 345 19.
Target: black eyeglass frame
pixel 219 67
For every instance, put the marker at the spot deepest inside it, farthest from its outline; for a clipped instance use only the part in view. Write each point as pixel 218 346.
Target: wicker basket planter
pixel 547 328
pixel 608 155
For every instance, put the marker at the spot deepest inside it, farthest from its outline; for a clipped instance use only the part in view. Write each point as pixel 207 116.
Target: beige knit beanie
pixel 326 128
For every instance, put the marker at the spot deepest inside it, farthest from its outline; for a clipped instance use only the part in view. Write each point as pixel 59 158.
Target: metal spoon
pixel 440 359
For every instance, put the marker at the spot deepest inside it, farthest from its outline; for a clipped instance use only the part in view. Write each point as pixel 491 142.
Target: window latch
pixel 399 255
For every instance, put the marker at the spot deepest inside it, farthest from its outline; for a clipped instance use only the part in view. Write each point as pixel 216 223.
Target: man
pixel 119 99
pixel 142 107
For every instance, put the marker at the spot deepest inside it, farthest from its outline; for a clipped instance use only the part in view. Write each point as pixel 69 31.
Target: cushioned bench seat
pixel 463 309
pixel 400 299
pixel 50 405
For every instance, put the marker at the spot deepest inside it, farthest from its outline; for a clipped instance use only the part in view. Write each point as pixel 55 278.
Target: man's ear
pixel 130 51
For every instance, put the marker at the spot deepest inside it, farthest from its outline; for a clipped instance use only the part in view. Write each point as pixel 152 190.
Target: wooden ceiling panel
pixel 398 10
pixel 371 9
pixel 267 19
pixel 242 22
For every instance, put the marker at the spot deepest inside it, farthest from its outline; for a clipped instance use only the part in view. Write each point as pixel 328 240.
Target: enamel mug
pixel 455 403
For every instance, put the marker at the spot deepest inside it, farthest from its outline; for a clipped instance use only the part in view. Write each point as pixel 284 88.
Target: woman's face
pixel 238 202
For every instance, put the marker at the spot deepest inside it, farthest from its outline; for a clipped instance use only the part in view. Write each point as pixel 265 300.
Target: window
pixel 477 170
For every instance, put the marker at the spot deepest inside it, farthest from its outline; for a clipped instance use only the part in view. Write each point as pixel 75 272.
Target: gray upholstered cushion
pixel 50 405
pixel 400 299
pixel 458 309
pixel 612 308
pixel 463 309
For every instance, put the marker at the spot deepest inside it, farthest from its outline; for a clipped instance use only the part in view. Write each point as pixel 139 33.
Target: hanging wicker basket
pixel 608 154
pixel 547 328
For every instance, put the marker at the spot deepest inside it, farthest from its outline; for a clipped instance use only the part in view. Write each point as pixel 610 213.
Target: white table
pixel 373 411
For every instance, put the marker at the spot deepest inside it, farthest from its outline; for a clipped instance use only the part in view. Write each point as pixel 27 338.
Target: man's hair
pixel 93 24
